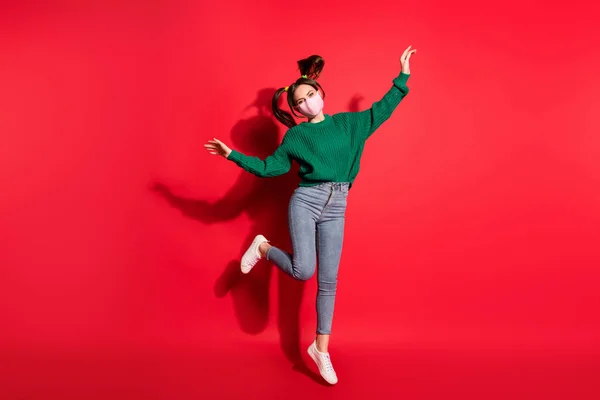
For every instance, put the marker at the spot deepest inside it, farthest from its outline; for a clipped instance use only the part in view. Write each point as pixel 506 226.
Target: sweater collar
pixel 323 123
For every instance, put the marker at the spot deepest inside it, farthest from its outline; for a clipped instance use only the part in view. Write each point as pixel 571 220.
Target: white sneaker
pixel 323 361
pixel 252 256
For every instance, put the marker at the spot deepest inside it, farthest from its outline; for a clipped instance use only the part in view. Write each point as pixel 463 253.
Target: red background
pixel 470 266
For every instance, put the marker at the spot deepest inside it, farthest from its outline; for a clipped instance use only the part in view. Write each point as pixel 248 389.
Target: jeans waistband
pixel 335 185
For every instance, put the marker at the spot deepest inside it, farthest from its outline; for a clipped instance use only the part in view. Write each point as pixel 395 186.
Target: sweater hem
pixel 309 183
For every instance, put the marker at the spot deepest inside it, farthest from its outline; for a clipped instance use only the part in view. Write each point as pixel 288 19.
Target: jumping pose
pixel 328 149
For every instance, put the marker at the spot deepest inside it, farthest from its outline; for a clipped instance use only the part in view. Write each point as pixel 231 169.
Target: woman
pixel 328 149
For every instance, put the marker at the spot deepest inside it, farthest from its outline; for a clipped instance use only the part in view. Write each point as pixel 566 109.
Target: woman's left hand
pixel 405 58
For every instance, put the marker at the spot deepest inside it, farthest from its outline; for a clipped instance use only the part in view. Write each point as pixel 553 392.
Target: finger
pixel 406 51
pixel 217 141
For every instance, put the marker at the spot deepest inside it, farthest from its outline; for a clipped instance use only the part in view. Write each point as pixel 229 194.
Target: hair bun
pixel 311 66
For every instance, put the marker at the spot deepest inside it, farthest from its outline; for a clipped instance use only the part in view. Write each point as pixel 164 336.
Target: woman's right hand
pixel 218 148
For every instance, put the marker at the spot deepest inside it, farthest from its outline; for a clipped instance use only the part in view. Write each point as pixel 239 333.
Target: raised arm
pixel 369 120
pixel 364 123
pixel 276 164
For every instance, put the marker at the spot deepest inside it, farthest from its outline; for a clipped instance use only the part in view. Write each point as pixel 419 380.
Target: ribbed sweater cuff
pixel 401 79
pixel 234 156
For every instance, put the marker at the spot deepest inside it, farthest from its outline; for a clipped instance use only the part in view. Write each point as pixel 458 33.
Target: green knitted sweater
pixel 330 150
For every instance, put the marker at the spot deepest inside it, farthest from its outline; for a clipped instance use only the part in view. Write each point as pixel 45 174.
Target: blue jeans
pixel 316 218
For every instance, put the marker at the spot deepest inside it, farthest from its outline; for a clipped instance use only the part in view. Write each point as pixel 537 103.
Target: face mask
pixel 311 106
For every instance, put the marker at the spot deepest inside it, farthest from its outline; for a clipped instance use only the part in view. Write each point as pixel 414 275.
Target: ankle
pixel 321 348
pixel 322 342
pixel 263 248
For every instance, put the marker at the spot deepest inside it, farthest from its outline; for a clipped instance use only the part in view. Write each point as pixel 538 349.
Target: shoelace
pixel 253 261
pixel 327 362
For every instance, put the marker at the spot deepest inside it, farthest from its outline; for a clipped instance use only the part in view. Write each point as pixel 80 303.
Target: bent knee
pixel 303 272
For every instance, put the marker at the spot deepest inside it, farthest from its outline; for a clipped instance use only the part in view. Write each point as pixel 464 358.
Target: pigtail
pixel 311 66
pixel 282 116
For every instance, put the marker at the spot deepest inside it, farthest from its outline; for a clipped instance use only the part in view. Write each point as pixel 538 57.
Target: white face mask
pixel 312 106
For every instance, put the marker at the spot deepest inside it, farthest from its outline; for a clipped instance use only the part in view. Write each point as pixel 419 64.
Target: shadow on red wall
pixel 265 201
